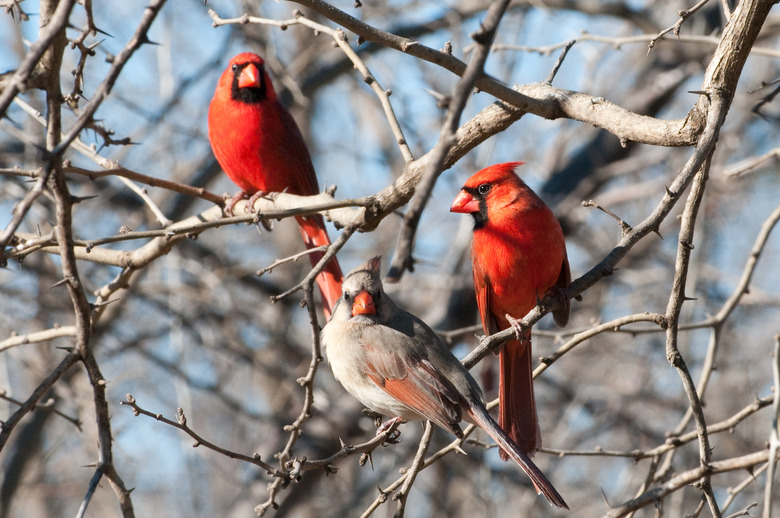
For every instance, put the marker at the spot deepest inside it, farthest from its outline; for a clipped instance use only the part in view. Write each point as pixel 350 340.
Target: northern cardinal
pixel 259 146
pixel 393 363
pixel 519 256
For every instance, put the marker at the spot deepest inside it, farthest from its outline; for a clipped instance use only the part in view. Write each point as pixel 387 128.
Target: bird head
pixel 362 294
pixel 491 188
pixel 247 79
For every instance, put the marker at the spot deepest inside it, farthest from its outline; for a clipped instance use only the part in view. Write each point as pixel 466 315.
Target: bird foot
pixel 519 325
pixel 395 436
pixel 231 202
pixel 250 205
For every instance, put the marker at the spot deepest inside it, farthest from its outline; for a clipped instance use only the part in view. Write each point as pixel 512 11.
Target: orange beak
pixel 250 77
pixel 363 304
pixel 465 203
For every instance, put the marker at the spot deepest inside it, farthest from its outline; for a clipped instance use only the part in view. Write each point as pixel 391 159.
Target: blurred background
pixel 196 328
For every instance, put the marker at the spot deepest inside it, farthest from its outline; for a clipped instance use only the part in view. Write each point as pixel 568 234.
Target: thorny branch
pixel 700 128
pixel 181 424
pixel 483 39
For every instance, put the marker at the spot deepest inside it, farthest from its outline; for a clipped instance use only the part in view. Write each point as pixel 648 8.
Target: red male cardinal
pixel 259 146
pixel 518 256
pixel 395 364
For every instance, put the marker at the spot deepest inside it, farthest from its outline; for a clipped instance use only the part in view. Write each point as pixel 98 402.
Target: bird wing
pixel 482 289
pixel 410 379
pixel 561 316
pixel 301 178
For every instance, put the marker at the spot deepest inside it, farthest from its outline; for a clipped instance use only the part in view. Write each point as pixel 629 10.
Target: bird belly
pixel 345 357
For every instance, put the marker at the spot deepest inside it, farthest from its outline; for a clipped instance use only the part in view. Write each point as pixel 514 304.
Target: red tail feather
pixel 329 280
pixel 517 408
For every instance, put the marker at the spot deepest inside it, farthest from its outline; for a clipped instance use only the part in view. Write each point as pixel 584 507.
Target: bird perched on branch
pixel 518 256
pixel 259 146
pixel 393 363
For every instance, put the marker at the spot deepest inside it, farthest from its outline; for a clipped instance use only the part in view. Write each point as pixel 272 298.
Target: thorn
pixel 101 31
pixel 460 450
pixel 146 40
pixel 436 95
pixel 79 199
pixel 59 283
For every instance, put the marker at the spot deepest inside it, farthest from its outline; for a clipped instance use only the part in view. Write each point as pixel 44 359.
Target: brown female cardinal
pixel 518 257
pixel 393 363
pixel 259 146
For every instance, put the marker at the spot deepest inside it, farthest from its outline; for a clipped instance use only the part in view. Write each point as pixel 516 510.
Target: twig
pixel 333 249
pixel 112 168
pixel 683 16
pixel 678 296
pixel 38 336
pixel 686 478
pixel 612 325
pixel 91 250
pixel 181 424
pixel 750 164
pixel 454 446
pixel 559 62
pixel 158 213
pixel 53 154
pixel 293 258
pixel 21 173
pixel 403 258
pixel 383 95
pixel 328 463
pixel 307 383
pixel 624 227
pixel 737 490
pixel 618 41
pixel 672 442
pixel 774 436
pixel 46 405
pixel 31 402
pixel 93 485
pixel 413 470
pixel 537 98
pixel 18 82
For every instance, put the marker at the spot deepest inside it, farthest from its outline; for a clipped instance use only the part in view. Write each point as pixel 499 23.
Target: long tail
pixel 517 408
pixel 543 486
pixel 329 280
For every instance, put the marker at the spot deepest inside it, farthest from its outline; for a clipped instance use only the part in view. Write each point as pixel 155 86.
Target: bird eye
pixel 484 189
pixel 346 297
pixel 234 67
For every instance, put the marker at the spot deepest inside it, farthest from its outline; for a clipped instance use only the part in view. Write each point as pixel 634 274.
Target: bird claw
pixel 395 435
pixel 250 205
pixel 393 438
pixel 230 204
pixel 519 325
